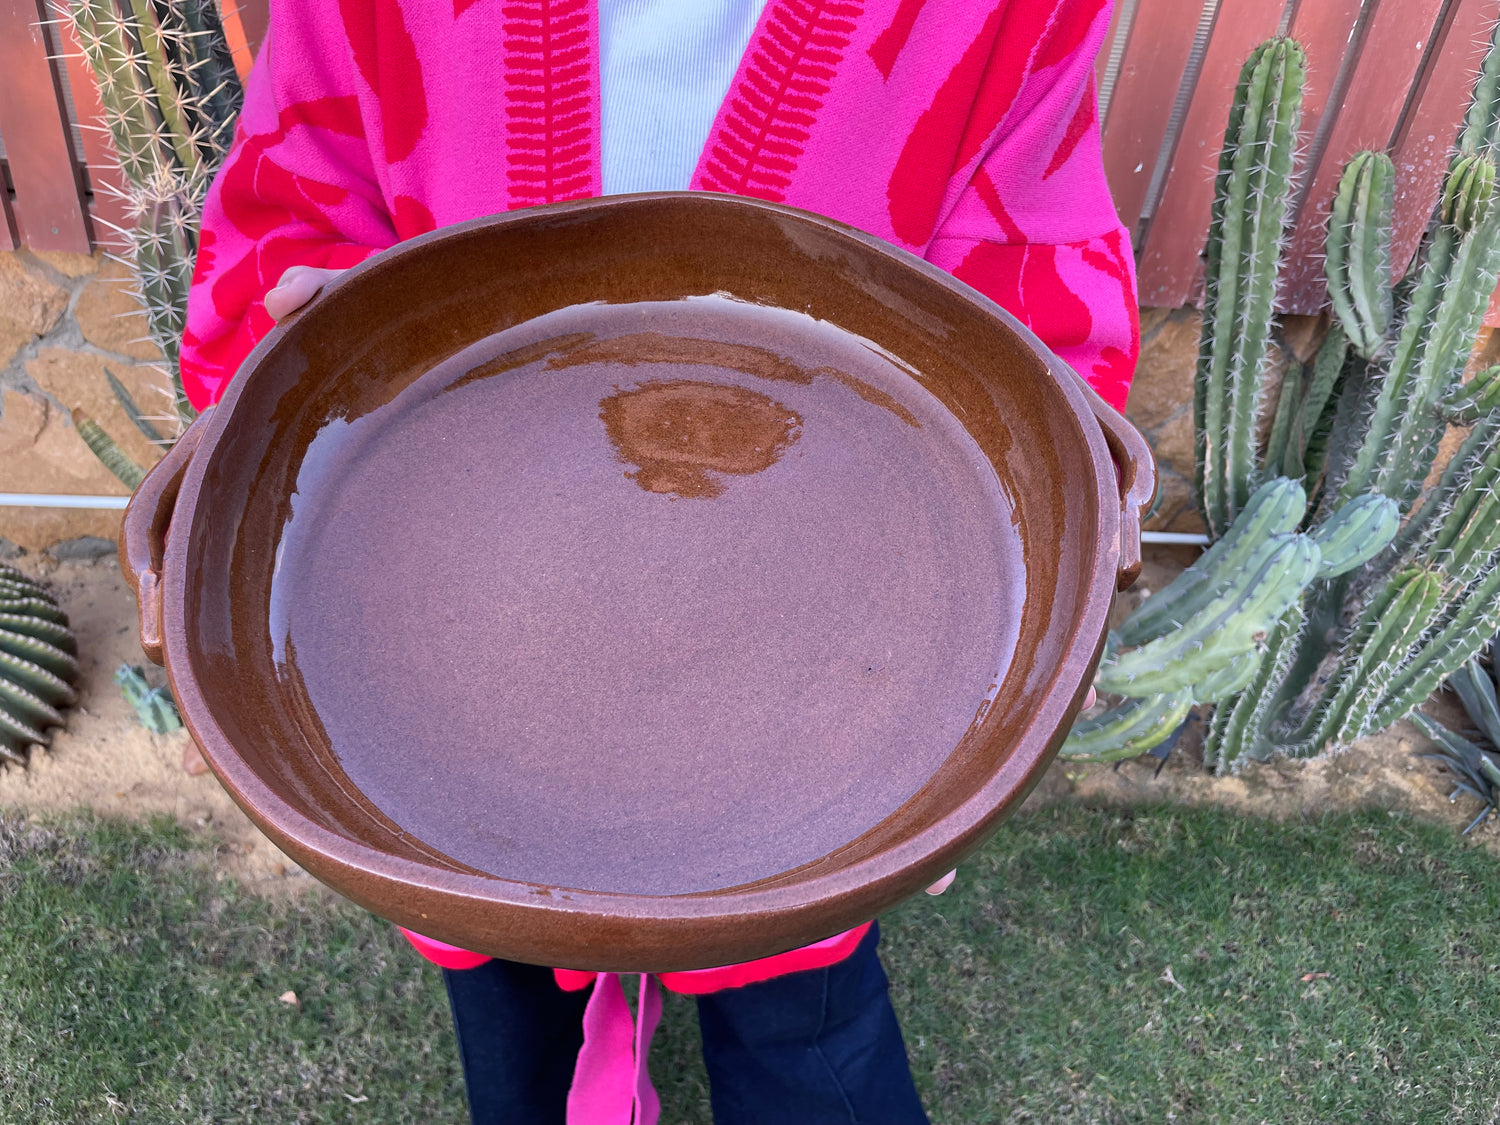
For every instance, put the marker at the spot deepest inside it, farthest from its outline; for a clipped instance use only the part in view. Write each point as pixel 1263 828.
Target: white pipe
pixel 1175 538
pixel 116 503
pixel 56 500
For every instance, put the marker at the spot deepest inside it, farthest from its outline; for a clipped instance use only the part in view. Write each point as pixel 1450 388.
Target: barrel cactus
pixel 1399 583
pixel 38 665
pixel 170 96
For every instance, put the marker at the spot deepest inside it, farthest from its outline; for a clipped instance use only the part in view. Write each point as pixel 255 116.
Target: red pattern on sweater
pixel 387 60
pixel 548 100
pixel 888 44
pixel 777 95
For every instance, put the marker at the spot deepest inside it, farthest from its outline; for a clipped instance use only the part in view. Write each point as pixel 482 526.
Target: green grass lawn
pixel 1088 966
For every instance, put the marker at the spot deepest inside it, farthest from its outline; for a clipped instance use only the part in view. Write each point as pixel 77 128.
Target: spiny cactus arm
pixel 169 98
pixel 111 455
pixel 1226 628
pixel 1241 721
pixel 1276 507
pixel 1468 402
pixel 1229 680
pixel 1481 127
pixel 1288 406
pixel 1470 623
pixel 1373 656
pixel 1244 242
pixel 196 45
pixel 1307 444
pixel 1358 258
pixel 1466 537
pixel 1440 323
pixel 1127 730
pixel 1356 533
pixel 1460 313
pixel 1470 475
pixel 120 75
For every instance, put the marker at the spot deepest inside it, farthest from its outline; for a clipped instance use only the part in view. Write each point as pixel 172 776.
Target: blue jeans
pixel 813 1048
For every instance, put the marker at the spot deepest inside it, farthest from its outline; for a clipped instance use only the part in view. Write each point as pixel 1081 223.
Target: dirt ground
pixel 107 761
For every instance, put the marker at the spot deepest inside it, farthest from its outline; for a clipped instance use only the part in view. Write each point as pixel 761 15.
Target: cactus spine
pixel 1388 613
pixel 1245 235
pixel 170 97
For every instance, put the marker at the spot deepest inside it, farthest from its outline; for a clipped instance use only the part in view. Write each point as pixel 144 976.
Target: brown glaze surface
pixel 615 618
pixel 254 704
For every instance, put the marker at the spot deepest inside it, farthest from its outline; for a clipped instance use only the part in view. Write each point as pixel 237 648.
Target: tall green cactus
pixel 170 96
pixel 1244 245
pixel 1358 262
pixel 1407 584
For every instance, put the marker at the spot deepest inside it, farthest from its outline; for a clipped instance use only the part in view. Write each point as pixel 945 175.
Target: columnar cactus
pixel 1386 614
pixel 1244 244
pixel 170 97
pixel 1358 261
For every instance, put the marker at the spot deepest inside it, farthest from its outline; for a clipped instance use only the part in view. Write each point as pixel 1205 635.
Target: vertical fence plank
pixel 234 35
pixel 109 206
pixel 1170 256
pixel 1101 62
pixel 255 17
pixel 1161 39
pixel 48 211
pixel 1368 113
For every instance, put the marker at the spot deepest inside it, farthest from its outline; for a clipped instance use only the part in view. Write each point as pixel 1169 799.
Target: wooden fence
pixel 1388 74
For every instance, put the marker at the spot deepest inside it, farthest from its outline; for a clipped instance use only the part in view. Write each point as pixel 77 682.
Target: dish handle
pixel 1136 477
pixel 143 535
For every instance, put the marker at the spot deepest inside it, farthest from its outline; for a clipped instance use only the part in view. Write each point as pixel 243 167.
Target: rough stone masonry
pixel 65 318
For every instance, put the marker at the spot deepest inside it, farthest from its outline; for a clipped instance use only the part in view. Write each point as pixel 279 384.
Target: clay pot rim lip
pixel 911 861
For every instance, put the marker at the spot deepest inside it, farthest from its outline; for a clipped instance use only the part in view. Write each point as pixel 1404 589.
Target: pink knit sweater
pixel 965 131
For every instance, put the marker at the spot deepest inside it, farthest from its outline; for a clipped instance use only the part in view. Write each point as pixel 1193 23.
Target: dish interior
pixel 653 597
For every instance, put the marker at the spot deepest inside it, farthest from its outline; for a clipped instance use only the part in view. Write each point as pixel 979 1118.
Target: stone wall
pixel 64 320
pixel 1161 406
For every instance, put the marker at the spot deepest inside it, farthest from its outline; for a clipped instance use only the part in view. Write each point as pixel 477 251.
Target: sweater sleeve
pixel 298 188
pixel 1034 227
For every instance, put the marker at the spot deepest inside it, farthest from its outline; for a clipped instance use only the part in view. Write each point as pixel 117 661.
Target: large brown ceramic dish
pixel 204 533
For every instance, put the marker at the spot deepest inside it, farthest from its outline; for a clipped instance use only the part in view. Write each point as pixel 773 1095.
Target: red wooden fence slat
pixel 234 35
pixel 108 207
pixel 47 209
pixel 1323 27
pixel 1102 60
pixel 255 15
pixel 7 219
pixel 1421 153
pixel 1368 114
pixel 1161 39
pixel 1169 261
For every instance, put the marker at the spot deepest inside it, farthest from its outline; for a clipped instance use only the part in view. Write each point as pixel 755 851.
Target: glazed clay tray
pixel 654 582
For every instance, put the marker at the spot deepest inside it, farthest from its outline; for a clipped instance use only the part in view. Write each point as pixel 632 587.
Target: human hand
pixel 298 285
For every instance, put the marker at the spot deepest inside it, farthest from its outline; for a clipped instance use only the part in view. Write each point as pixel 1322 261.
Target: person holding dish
pixel 964 131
